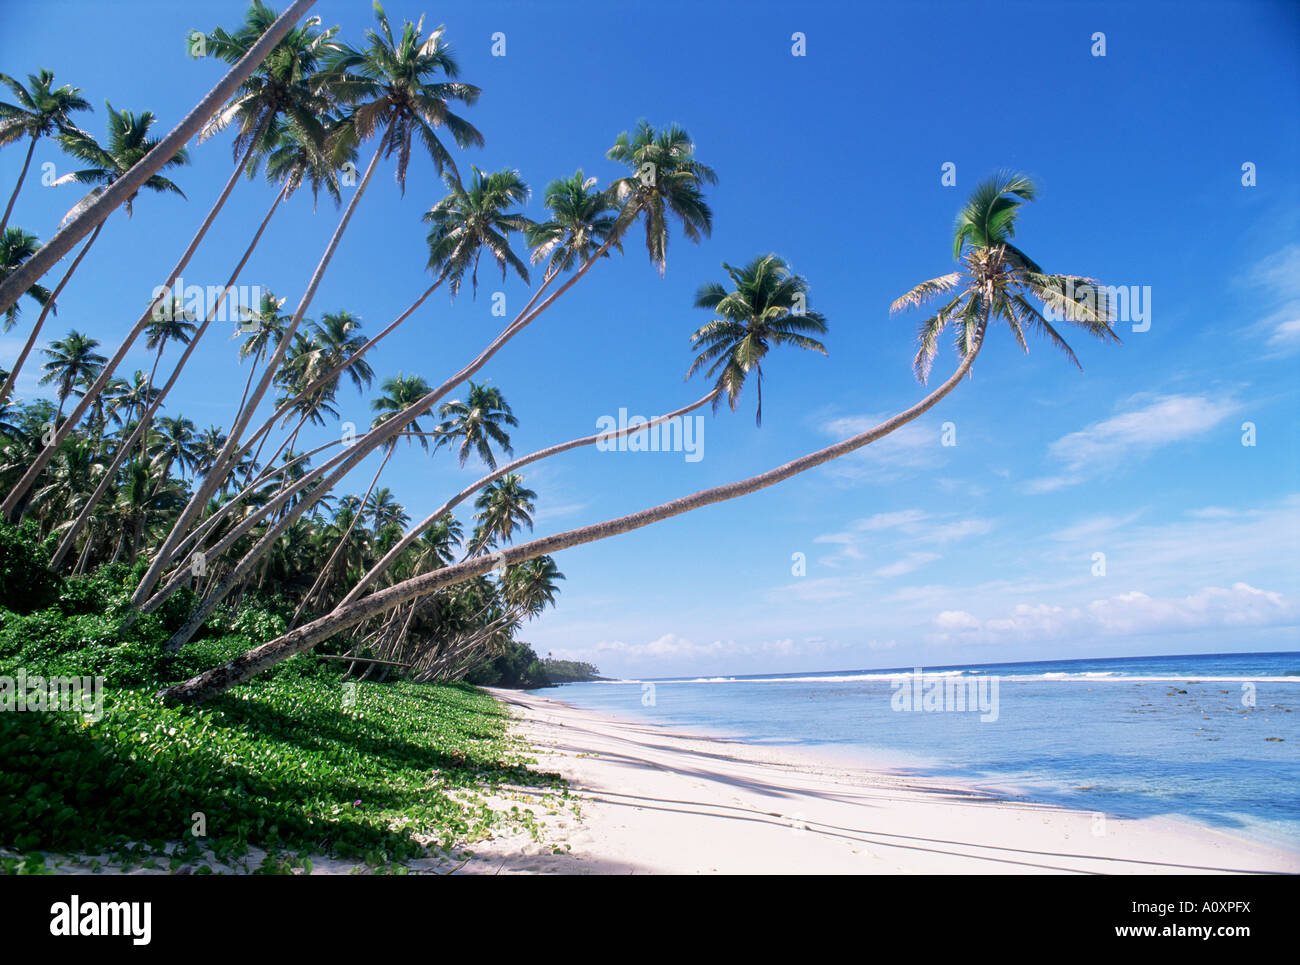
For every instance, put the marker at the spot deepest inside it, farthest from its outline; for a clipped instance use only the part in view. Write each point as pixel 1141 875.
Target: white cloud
pixel 1103 445
pixel 910 562
pixel 1126 614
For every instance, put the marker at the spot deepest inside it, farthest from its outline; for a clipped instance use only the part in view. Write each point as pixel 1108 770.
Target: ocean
pixel 1214 738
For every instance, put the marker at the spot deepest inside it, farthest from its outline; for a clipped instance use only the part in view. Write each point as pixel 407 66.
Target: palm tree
pixel 392 88
pixel 665 179
pixel 400 393
pixel 174 446
pixel 472 218
pixel 767 307
pixel 477 423
pixel 16 246
pixel 383 510
pixel 128 143
pixel 207 445
pixel 582 221
pixel 274 89
pixel 997 280
pixel 72 361
pixel 503 507
pixel 42 109
pixel 393 84
pixel 984 228
pixel 297 160
pixel 70 234
pixel 285 91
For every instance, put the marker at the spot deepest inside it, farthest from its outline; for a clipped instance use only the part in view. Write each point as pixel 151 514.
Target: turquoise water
pixel 1132 736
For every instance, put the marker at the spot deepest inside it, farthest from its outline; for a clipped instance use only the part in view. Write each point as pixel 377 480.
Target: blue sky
pixel 916 552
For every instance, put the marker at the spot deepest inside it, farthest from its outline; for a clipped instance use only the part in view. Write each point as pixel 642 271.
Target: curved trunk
pixel 106 373
pixel 129 184
pixel 45 311
pixel 22 176
pixel 246 666
pixel 124 449
pixel 414 532
pixel 224 461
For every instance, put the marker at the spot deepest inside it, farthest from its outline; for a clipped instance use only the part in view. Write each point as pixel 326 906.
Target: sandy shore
pixel 653 801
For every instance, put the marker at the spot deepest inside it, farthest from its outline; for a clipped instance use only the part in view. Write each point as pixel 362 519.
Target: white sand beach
pixel 654 801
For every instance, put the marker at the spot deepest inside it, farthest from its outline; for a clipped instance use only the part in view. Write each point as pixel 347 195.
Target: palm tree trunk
pixel 329 564
pixel 246 666
pixel 130 183
pixel 106 373
pixel 22 176
pixel 414 532
pixel 152 406
pixel 45 311
pixel 223 462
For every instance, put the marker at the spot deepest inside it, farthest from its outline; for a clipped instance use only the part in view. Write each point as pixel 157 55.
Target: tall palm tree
pixel 983 229
pixel 72 361
pixel 285 91
pixel 666 179
pixel 767 307
pixel 392 88
pixel 128 144
pixel 475 217
pixel 16 246
pixel 41 110
pixel 581 221
pixel 477 423
pixel 996 280
pixel 275 88
pixel 296 159
pixel 394 85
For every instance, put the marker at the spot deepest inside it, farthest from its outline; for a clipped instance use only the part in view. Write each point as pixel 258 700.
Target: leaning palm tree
pixel 988 223
pixel 666 178
pixel 278 87
pixel 996 281
pixel 477 423
pixel 128 143
pixel 394 84
pixel 72 361
pixel 41 110
pixel 393 92
pixel 475 217
pixel 767 307
pixel 581 221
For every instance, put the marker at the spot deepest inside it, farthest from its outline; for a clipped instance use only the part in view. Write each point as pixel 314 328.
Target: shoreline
pixel 653 799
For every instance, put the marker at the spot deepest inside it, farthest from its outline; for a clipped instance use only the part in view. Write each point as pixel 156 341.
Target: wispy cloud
pixel 1126 614
pixel 1154 422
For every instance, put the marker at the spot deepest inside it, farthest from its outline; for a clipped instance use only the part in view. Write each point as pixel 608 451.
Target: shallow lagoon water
pixel 1131 737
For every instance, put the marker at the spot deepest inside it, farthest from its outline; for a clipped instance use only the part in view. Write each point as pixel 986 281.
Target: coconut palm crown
pixel 767 307
pixel 997 280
